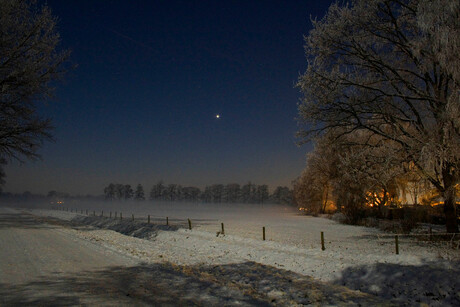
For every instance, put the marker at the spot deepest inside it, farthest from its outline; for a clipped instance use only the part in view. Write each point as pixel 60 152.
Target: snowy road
pixel 49 262
pixel 36 259
pixel 43 264
pixel 31 249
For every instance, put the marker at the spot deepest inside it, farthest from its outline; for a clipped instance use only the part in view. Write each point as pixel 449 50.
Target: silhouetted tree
pixel 191 193
pixel 232 193
pixel 179 195
pixel 120 191
pixel 158 191
pixel 110 192
pixel 217 191
pixel 139 193
pixel 29 63
pixel 171 191
pixel 2 173
pixel 128 192
pixel 262 193
pixel 282 195
pixel 206 196
pixel 246 193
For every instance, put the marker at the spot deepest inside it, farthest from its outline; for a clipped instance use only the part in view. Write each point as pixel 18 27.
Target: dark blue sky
pixel 151 77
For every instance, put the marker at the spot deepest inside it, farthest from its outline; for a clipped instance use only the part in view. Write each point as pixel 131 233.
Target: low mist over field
pixel 173 210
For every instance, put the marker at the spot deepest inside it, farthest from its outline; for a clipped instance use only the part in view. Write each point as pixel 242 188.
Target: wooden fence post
pixel 263 233
pixel 167 221
pixel 322 241
pixel 397 244
pixel 189 224
pixel 223 231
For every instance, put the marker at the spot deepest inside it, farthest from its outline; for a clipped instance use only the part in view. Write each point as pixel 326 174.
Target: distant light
pixel 217 116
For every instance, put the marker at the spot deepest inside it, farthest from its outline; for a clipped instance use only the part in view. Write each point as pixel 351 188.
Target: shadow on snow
pixel 435 284
pixel 244 284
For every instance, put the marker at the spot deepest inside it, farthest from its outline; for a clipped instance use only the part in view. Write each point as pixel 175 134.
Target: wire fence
pixel 433 238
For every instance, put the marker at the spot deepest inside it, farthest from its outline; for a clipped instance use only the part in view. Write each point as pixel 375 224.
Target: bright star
pixel 217 116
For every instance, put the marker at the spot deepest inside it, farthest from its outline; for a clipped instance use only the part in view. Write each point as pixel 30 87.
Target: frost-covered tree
pixel 390 68
pixel 350 187
pixel 139 193
pixel 366 176
pixel 29 63
pixel 413 183
pixel 378 164
pixel 312 190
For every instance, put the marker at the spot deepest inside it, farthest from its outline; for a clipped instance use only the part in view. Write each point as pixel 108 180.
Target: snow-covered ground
pixel 356 257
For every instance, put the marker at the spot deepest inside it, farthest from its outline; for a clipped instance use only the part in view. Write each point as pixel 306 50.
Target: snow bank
pixel 357 257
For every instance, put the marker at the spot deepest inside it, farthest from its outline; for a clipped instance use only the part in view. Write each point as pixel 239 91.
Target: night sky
pixel 152 75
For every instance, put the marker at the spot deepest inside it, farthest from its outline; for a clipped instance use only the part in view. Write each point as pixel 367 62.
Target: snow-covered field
pixel 356 257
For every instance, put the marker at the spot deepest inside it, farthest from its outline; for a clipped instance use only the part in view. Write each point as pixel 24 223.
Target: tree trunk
pixel 382 204
pixel 450 210
pixel 323 209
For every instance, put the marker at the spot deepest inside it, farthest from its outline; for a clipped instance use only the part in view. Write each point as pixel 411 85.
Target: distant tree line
pixel 216 193
pixel 123 191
